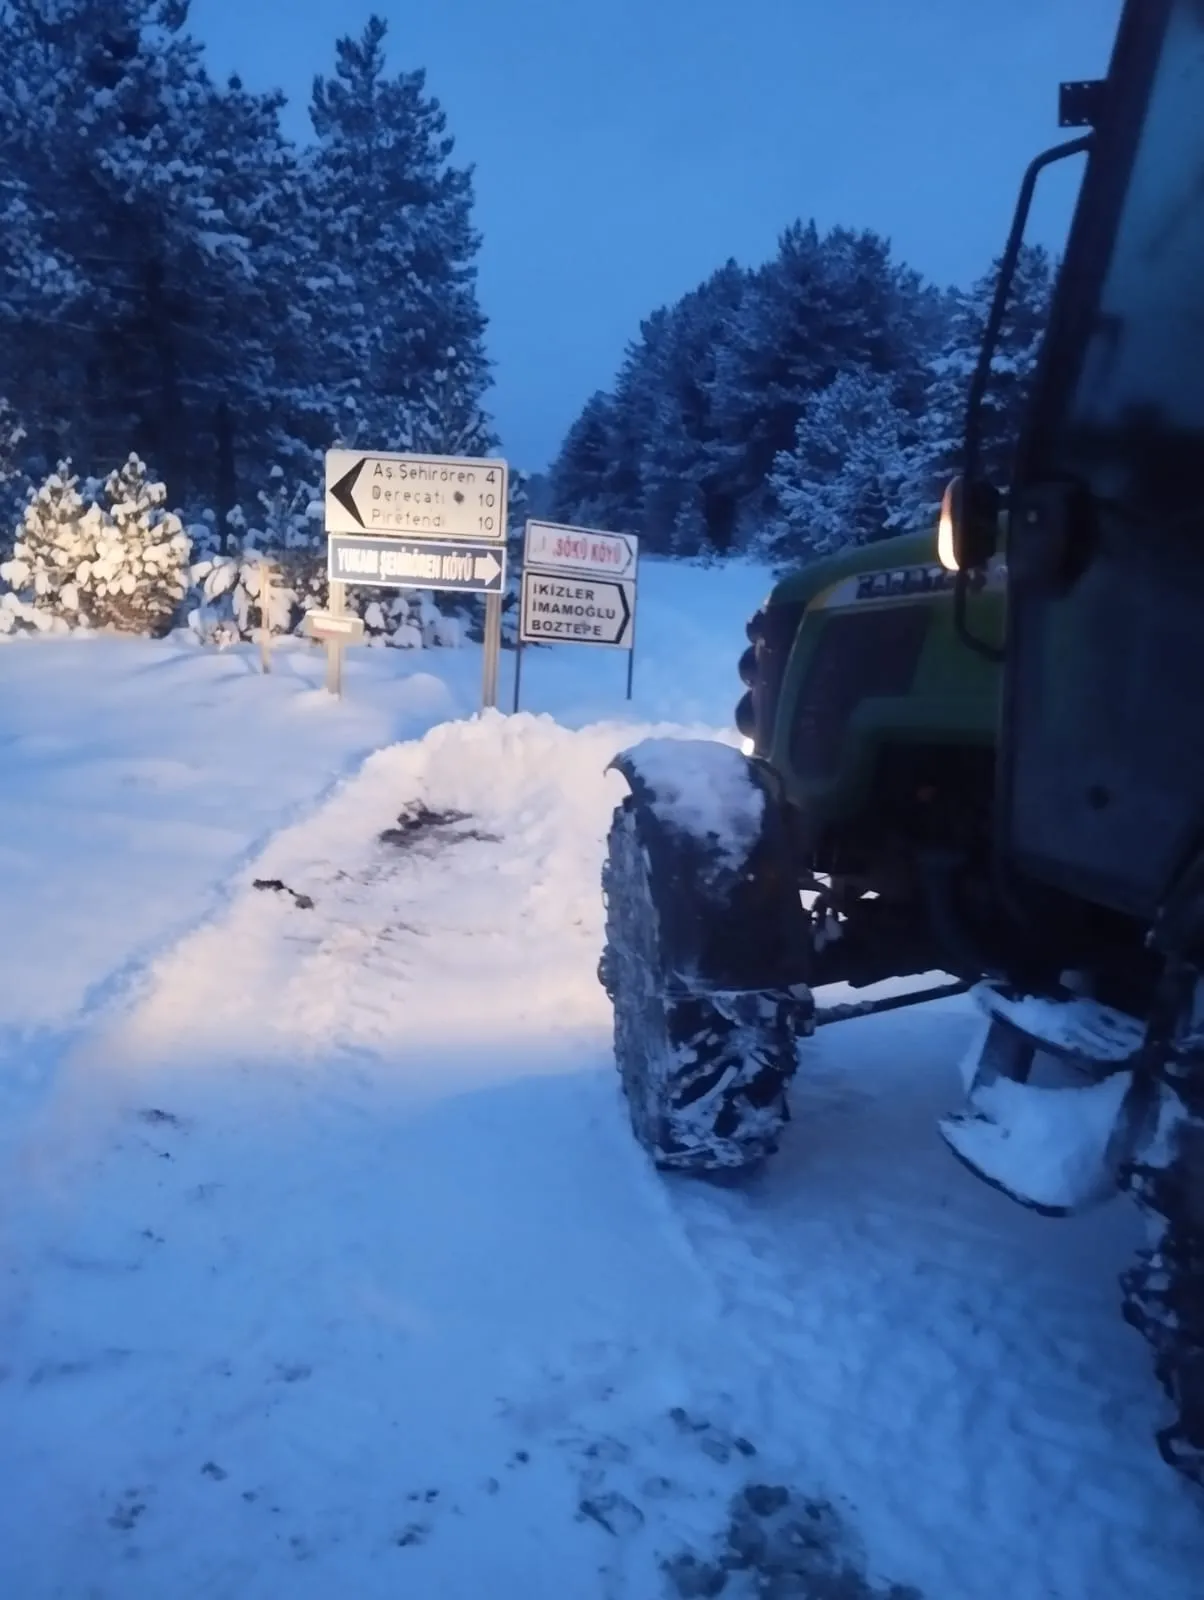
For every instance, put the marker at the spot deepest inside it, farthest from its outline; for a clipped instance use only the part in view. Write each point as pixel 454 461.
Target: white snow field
pixel 328 1266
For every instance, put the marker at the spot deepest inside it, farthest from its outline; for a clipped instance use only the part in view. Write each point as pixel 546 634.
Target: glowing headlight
pixel 944 534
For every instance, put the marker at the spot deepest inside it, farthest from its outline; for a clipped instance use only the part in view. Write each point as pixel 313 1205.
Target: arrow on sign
pixel 342 491
pixel 486 568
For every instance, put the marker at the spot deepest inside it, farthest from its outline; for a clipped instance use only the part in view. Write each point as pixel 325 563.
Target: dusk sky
pixel 626 148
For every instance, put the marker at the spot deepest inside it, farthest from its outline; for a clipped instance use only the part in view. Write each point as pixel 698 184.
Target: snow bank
pixel 137 776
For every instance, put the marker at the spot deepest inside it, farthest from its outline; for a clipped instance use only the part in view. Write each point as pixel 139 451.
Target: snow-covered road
pixel 329 1268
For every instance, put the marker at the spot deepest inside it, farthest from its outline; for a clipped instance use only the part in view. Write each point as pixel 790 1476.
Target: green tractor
pixel 979 753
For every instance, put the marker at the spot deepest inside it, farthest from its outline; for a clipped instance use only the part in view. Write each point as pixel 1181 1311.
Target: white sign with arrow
pixel 555 547
pixel 432 497
pixel 468 565
pixel 563 610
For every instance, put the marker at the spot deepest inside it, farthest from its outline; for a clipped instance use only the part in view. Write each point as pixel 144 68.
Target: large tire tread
pixel 705 1072
pixel 1163 1293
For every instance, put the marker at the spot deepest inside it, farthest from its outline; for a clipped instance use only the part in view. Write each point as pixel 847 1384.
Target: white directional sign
pixel 324 625
pixel 564 610
pixel 395 563
pixel 554 547
pixel 432 497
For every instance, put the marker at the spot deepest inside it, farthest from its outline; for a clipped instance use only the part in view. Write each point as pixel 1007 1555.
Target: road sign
pixel 326 625
pixel 556 547
pixel 471 567
pixel 430 497
pixel 563 610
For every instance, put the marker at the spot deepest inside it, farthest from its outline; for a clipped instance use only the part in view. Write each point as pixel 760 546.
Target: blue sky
pixel 625 148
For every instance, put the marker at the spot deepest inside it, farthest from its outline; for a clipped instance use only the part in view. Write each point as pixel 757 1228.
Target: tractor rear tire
pixel 1164 1291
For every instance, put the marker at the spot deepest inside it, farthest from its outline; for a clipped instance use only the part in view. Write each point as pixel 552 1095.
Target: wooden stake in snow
pixel 265 615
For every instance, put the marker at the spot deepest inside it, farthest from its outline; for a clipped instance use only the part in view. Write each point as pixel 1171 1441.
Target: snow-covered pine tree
pixel 581 481
pixel 57 538
pixel 150 246
pixel 710 395
pixel 843 482
pixel 257 367
pixel 823 304
pixel 98 125
pixel 403 352
pixel 938 454
pixel 686 488
pixel 137 574
pixel 14 486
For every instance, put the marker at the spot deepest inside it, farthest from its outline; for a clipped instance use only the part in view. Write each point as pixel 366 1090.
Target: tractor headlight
pixel 946 547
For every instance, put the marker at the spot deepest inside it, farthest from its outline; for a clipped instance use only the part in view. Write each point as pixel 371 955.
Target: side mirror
pixel 968 532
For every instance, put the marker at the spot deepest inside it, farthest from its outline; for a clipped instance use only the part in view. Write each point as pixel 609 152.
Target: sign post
pixel 265 616
pixel 402 521
pixel 334 644
pixel 578 587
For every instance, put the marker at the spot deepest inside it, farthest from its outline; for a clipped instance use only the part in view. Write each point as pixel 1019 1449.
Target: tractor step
pixel 1073 1028
pixel 1058 1148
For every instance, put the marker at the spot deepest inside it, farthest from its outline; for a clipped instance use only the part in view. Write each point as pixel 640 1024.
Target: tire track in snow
pixel 954 1366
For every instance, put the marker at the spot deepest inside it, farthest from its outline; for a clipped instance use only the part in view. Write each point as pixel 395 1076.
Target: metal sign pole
pixel 334 647
pixel 634 615
pixel 492 651
pixel 518 671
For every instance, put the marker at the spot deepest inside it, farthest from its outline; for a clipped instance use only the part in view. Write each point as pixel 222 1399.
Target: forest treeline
pixel 812 402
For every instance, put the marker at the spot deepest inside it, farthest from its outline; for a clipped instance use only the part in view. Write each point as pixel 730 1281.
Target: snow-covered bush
pixel 18 616
pixel 120 565
pixel 57 536
pixel 228 597
pixel 138 575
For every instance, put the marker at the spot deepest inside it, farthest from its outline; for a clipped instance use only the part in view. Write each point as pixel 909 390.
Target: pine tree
pixel 58 536
pixel 689 498
pixel 122 564
pixel 844 481
pixel 151 246
pixel 137 575
pixel 404 349
pixel 13 483
pixel 710 396
pixel 581 479
pixel 97 122
pixel 254 370
pixel 939 453
pixel 823 305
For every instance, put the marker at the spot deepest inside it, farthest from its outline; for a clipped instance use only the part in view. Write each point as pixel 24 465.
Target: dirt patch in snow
pixel 418 822
pixel 781 1545
pixel 304 902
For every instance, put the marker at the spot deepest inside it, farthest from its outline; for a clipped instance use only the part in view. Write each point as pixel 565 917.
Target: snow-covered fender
pixel 721 872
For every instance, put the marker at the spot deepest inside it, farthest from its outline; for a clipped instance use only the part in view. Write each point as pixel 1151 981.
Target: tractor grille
pixel 861 655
